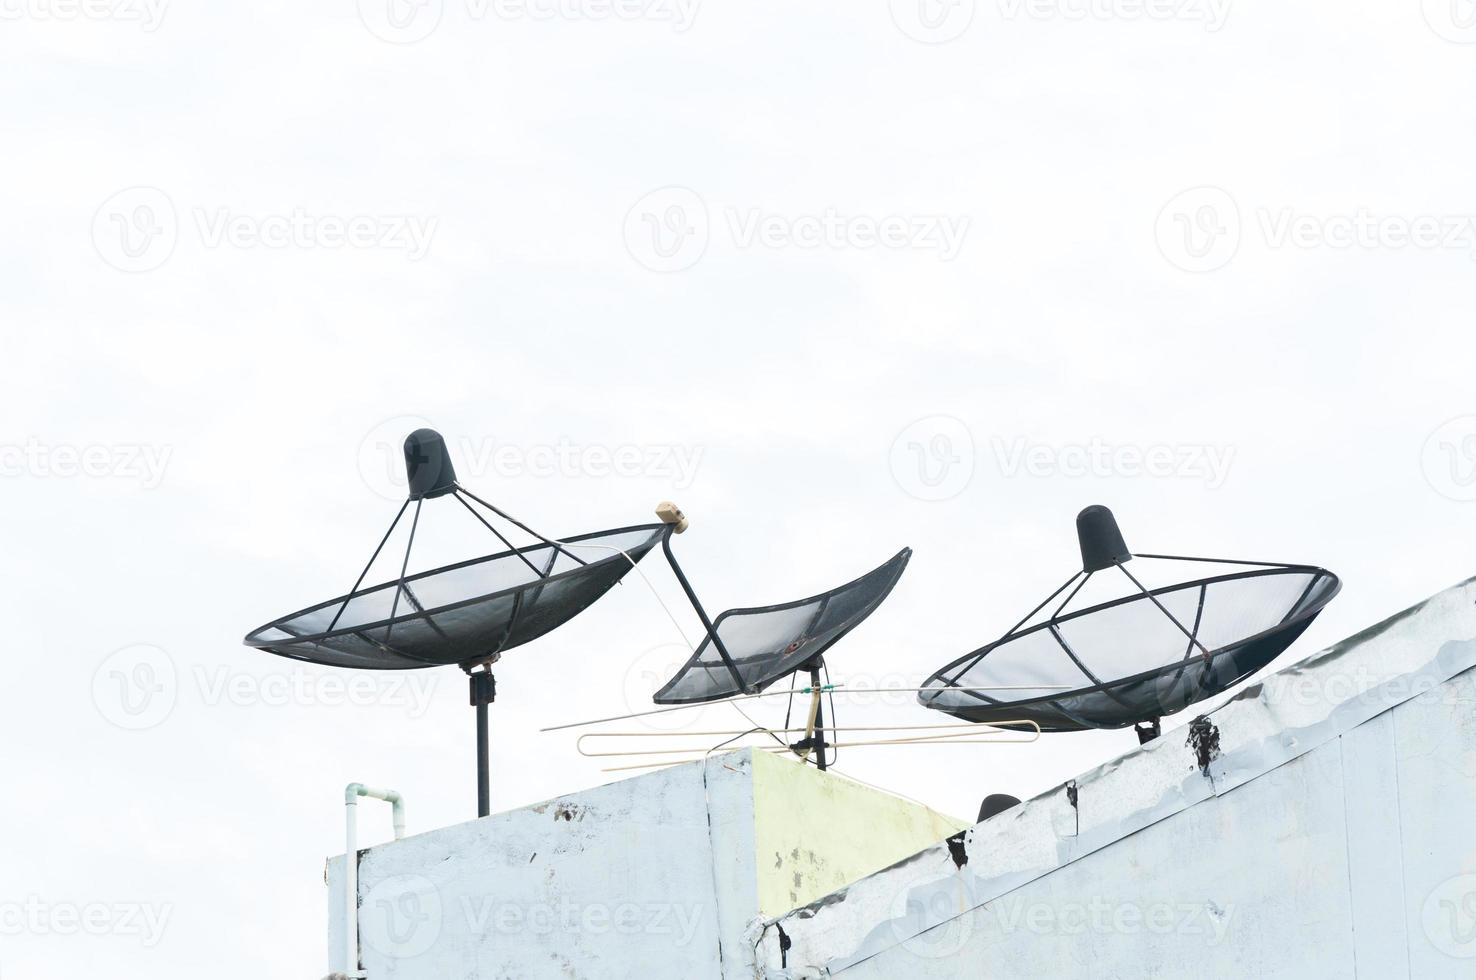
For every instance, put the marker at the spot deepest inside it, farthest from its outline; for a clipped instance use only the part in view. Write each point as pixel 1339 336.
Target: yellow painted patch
pixel 816 832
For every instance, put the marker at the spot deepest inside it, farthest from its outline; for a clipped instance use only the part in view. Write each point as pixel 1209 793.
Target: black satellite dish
pixel 467 614
pixel 746 650
pixel 1135 659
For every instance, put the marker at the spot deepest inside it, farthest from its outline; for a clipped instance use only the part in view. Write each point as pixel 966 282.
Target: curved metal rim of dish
pixel 253 638
pixel 901 558
pixel 982 652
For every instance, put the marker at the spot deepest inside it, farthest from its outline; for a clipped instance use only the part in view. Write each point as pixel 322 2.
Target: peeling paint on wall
pixel 1204 739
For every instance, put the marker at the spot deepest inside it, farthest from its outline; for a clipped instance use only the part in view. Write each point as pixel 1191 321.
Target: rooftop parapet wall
pixel 667 874
pixel 1317 803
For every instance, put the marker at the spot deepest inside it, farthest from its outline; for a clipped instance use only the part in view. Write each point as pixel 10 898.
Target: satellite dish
pixel 1135 659
pixel 746 650
pixel 467 614
pixel 460 614
pixel 749 649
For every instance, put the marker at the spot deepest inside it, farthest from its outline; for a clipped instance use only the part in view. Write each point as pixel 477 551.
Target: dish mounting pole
pixel 483 693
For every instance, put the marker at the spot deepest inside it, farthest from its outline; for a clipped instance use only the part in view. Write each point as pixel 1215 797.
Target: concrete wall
pixel 642 872
pixel 1318 826
pixel 1335 865
pixel 664 875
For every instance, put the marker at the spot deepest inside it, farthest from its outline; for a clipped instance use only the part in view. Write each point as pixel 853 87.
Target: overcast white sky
pixel 837 277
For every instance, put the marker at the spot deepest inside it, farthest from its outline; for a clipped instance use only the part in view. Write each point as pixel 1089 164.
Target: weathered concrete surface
pixel 665 875
pixel 1316 826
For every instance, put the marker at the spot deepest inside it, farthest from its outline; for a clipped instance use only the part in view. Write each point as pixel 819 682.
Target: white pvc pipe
pixel 351 796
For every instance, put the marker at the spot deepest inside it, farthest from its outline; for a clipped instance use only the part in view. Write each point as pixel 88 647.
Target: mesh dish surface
pixel 767 643
pixel 1125 662
pixel 463 612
